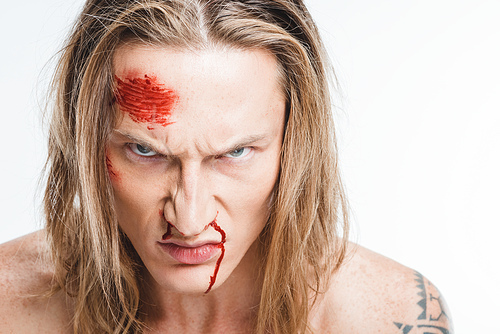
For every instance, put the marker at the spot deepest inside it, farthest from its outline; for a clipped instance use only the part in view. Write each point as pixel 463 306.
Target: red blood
pixel 167 235
pixel 112 173
pixel 146 100
pixel 216 227
pixel 223 250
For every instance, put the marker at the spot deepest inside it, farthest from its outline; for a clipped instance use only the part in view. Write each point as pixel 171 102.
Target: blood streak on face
pixel 216 227
pixel 112 173
pixel 146 100
pixel 223 250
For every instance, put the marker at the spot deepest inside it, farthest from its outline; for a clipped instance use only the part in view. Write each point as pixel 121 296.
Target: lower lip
pixel 191 255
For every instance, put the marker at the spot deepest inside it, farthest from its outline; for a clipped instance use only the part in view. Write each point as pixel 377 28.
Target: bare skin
pixel 25 275
pixel 370 294
pixel 193 166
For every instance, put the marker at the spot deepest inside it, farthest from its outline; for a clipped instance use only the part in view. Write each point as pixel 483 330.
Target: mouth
pixel 187 254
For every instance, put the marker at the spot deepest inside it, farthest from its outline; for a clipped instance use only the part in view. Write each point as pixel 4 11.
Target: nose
pixel 191 207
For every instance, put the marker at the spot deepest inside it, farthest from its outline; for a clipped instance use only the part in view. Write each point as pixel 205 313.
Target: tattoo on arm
pixel 434 311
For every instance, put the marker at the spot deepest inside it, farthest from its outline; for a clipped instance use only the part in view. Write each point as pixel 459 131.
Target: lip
pixel 191 254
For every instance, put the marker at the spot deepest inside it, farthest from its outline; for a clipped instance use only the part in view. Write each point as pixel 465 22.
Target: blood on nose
pixel 168 234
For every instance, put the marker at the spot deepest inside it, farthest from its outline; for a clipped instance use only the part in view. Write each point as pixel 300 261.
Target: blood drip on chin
pixel 223 250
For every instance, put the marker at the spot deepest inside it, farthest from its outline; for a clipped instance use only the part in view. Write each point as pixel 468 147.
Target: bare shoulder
pixel 373 294
pixel 25 276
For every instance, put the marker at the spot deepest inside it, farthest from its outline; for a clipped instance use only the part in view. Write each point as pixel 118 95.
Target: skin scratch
pixel 146 100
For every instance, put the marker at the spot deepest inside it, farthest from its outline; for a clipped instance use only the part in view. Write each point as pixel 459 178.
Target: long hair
pixel 305 238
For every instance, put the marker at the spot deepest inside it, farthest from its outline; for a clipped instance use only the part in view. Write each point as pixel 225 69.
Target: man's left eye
pixel 143 151
pixel 238 153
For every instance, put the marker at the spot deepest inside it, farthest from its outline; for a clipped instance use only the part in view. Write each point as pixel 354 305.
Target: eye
pixel 238 153
pixel 143 151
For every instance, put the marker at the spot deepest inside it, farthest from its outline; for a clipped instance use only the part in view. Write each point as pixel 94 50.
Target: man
pixel 193 186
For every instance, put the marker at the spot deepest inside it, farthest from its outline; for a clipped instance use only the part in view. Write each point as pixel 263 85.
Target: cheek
pixel 252 199
pixel 268 177
pixel 135 196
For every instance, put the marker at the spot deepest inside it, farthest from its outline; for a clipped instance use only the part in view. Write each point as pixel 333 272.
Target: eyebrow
pixel 143 142
pixel 245 141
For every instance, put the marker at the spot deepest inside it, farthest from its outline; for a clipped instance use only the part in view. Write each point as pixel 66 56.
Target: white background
pixel 418 125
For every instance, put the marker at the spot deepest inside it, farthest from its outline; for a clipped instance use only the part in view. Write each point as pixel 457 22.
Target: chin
pixel 184 279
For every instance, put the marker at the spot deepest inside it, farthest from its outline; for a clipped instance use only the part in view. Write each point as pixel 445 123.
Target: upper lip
pixel 195 244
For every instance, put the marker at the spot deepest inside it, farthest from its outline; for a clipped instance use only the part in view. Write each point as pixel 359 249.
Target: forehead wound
pixel 145 99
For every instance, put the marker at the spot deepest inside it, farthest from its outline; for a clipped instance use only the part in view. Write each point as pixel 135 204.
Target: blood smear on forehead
pixel 146 100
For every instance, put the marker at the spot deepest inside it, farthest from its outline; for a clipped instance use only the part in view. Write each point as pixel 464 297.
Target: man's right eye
pixel 143 151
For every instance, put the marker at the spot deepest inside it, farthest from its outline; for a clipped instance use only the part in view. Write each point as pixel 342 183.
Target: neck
pixel 232 307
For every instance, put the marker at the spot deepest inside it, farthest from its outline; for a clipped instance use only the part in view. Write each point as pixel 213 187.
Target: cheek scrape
pixel 146 100
pixel 113 174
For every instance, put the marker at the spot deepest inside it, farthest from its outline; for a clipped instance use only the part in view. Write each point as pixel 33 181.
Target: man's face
pixel 194 159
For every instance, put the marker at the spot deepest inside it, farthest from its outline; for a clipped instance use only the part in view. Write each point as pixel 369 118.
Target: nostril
pixel 167 235
pixel 171 227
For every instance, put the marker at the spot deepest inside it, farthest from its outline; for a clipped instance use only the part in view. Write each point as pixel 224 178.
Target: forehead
pixel 229 90
pixel 182 66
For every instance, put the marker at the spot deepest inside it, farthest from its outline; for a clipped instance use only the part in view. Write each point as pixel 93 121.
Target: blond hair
pixel 305 239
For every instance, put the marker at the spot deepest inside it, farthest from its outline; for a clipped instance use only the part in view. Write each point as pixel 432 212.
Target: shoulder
pixel 373 294
pixel 25 279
